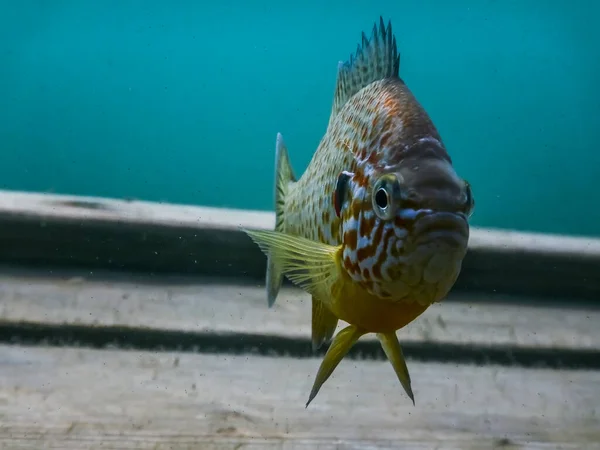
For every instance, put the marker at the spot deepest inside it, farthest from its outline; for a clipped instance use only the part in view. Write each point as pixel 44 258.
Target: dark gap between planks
pixel 184 250
pixel 273 345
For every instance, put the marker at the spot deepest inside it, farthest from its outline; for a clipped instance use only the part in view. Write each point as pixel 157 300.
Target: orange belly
pixel 358 307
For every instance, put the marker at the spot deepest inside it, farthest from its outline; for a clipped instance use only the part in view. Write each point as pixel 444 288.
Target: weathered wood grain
pixel 213 307
pixel 81 399
pixel 53 230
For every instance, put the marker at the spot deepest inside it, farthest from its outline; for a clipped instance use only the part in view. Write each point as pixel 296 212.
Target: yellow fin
pixel 311 265
pixel 393 351
pixel 340 346
pixel 284 176
pixel 324 323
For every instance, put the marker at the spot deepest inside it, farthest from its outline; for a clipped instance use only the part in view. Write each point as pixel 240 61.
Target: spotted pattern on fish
pixel 382 192
pixel 369 135
pixel 378 128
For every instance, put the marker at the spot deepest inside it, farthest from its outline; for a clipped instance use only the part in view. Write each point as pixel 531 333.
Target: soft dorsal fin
pixel 376 59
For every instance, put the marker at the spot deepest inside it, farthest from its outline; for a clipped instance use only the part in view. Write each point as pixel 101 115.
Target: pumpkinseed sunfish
pixel 376 228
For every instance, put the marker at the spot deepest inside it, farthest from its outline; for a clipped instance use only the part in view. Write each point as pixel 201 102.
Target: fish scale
pixel 354 140
pixel 376 228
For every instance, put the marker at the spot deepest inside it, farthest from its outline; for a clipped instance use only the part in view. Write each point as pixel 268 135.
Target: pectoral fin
pixel 340 346
pixel 323 324
pixel 393 351
pixel 311 265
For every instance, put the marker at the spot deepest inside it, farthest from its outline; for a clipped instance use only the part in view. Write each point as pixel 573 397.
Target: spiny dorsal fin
pixel 376 59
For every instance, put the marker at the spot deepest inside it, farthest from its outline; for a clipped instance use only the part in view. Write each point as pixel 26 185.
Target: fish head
pixel 407 230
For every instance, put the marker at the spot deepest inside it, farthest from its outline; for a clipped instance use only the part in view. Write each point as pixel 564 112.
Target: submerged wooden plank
pixel 80 399
pixel 135 235
pixel 213 306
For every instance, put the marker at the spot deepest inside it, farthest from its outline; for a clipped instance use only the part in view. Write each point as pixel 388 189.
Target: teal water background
pixel 181 101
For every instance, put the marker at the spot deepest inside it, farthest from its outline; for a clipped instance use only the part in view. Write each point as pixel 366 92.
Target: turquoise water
pixel 181 101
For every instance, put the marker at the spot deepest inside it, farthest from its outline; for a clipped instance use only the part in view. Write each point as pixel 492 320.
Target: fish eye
pixel 381 198
pixel 470 201
pixel 383 195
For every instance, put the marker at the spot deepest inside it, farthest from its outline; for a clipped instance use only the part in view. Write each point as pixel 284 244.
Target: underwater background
pixel 181 101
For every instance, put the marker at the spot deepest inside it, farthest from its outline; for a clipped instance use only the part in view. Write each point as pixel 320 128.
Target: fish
pixel 376 228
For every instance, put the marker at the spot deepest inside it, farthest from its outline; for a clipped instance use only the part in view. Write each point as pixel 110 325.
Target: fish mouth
pixel 443 229
pixel 438 245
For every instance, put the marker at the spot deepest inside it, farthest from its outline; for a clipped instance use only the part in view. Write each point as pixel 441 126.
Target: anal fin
pixel 324 323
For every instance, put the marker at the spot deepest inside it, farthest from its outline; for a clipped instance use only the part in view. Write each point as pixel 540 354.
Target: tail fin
pixel 283 176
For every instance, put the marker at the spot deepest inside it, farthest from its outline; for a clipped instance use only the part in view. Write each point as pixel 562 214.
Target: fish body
pixel 377 226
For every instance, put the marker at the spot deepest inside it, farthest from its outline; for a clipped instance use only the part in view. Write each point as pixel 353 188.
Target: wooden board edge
pixel 93 232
